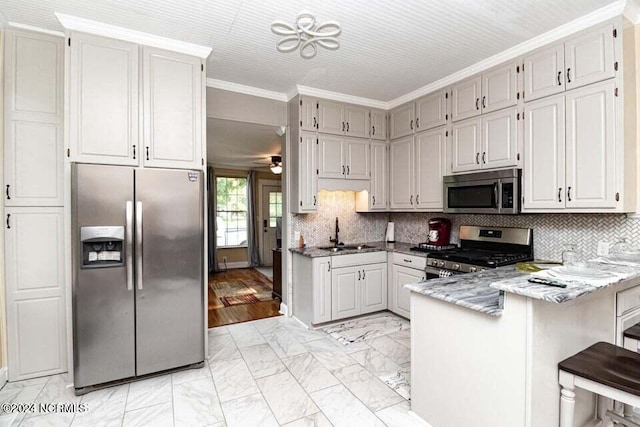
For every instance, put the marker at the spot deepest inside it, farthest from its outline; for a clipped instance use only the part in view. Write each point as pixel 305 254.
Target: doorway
pixel 270 193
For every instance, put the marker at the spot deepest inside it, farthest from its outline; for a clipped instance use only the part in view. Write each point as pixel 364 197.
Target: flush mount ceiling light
pixel 276 165
pixel 305 34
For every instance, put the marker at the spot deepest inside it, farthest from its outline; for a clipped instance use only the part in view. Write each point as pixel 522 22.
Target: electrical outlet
pixel 224 259
pixel 603 249
pixel 296 236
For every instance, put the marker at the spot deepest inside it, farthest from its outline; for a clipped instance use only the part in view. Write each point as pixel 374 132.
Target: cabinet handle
pixel 8 216
pixel 417 122
pixel 314 122
pixel 364 275
pixel 568 194
pixel 328 267
pixel 374 130
pixel 411 124
pixel 374 200
pixel 417 199
pixel 348 170
pixel 568 75
pixel 478 158
pixel 342 126
pixel 314 200
pixel 411 199
pixel 484 157
pixel 134 151
pixel 559 76
pixel 477 103
pixel 406 260
pixel 147 153
pixel 484 98
pixel 559 195
pixel 8 196
pixel 347 126
pixel 359 277
pixel 343 170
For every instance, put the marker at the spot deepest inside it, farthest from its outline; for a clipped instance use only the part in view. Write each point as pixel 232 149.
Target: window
pixel 231 211
pixel 275 207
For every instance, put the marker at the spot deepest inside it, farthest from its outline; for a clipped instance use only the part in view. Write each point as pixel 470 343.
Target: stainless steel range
pixel 482 248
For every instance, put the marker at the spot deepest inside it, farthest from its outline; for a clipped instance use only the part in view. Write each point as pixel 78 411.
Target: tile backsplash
pixel 550 231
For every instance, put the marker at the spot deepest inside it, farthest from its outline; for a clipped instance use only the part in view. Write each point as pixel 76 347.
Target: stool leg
pixel 567 406
pixel 604 405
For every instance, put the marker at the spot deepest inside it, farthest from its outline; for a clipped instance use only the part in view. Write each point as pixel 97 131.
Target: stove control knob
pixel 473 269
pixel 456 266
pixel 433 262
pixel 483 269
pixel 440 263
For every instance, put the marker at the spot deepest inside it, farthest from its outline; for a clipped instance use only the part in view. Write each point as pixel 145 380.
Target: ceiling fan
pixel 273 162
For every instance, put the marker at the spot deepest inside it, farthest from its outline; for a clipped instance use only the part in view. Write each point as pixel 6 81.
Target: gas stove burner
pixel 429 247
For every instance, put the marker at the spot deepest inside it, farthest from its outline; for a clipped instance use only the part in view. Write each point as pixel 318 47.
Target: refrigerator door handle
pixel 139 244
pixel 129 243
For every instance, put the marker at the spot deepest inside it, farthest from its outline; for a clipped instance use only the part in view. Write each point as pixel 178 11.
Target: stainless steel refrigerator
pixel 138 282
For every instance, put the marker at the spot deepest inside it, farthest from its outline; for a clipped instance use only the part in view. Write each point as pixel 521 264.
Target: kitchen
pixel 526 150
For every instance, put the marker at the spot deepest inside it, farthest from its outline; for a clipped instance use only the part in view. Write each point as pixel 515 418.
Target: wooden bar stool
pixel 605 369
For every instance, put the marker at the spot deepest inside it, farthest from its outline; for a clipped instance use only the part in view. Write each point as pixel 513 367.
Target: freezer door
pixel 169 268
pixel 103 299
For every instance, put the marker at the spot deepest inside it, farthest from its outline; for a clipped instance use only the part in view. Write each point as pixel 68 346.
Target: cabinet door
pixel 36 315
pixel 429 160
pixel 103 104
pixel 431 111
pixel 308 113
pixel 378 125
pixel 172 100
pixel 544 154
pixel 374 287
pixel 357 158
pixel 544 72
pixel 332 118
pixel 591 148
pixel 589 57
pixel 332 163
pixel 357 121
pixel 401 121
pixel 499 88
pixel 499 139
pixel 400 296
pixel 33 149
pixel 345 292
pixel 466 143
pixel 307 170
pixel 466 99
pixel 322 290
pixel 401 164
pixel 379 176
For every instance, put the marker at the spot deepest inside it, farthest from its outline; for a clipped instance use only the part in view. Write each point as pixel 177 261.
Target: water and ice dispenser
pixel 102 246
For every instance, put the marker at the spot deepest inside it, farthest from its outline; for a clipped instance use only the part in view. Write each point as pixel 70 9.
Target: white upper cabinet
pixel 431 111
pixel 34 146
pixel 466 143
pixel 378 125
pixel 379 194
pixel 332 162
pixel 430 161
pixel 308 113
pixel 499 88
pixel 357 158
pixel 357 121
pixel 466 96
pixel 172 109
pixel 103 104
pixel 401 170
pixel 590 147
pixel 589 57
pixel 332 117
pixel 544 72
pixel 499 139
pixel 401 121
pixel 544 154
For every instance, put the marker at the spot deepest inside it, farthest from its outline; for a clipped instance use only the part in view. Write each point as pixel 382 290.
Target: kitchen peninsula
pixel 485 346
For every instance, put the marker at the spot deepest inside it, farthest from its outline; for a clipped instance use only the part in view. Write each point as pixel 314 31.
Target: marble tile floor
pixel 269 372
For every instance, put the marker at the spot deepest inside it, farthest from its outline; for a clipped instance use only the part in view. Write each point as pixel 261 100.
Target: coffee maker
pixel 439 231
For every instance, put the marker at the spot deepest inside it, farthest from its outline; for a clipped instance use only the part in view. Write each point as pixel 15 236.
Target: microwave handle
pixel 495 194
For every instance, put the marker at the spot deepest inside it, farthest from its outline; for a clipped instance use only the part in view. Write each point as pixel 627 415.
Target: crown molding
pixel 26 27
pixel 632 11
pixel 247 90
pixel 73 23
pixel 586 21
pixel 341 97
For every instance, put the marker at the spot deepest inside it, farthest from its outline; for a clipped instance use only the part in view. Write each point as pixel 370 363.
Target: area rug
pixel 239 299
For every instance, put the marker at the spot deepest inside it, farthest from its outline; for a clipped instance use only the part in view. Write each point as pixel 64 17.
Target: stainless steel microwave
pixel 493 192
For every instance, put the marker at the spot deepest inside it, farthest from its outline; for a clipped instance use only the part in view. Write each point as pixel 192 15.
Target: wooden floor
pixel 218 315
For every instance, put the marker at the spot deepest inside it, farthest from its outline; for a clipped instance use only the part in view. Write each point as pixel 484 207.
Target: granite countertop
pixel 399 247
pixel 471 290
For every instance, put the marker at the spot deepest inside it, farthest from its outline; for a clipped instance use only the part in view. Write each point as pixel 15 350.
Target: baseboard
pixel 232 265
pixel 3 376
pixel 284 310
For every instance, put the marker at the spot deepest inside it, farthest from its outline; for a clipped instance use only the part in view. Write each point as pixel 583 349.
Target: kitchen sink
pixel 346 248
pixel 332 248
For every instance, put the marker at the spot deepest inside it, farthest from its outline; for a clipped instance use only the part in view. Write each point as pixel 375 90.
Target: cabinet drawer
pixel 411 261
pixel 627 300
pixel 358 259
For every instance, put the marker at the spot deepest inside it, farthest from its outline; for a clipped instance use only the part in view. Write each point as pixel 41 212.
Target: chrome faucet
pixel 335 240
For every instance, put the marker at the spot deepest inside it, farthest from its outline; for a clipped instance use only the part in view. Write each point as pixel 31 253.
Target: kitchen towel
pixel 390 233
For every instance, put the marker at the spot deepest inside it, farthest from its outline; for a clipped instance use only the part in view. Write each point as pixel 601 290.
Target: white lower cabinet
pixel 358 290
pixel 399 296
pixel 373 287
pixel 36 325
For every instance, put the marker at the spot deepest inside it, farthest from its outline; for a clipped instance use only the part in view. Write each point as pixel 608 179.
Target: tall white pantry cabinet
pixel 33 204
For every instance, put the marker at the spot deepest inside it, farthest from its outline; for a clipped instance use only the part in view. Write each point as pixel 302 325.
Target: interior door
pixel 345 292
pixel 429 160
pixel 466 145
pixel 589 57
pixel 544 72
pixel 357 158
pixel 466 99
pixel 270 210
pixel 169 256
pixel 499 139
pixel 401 172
